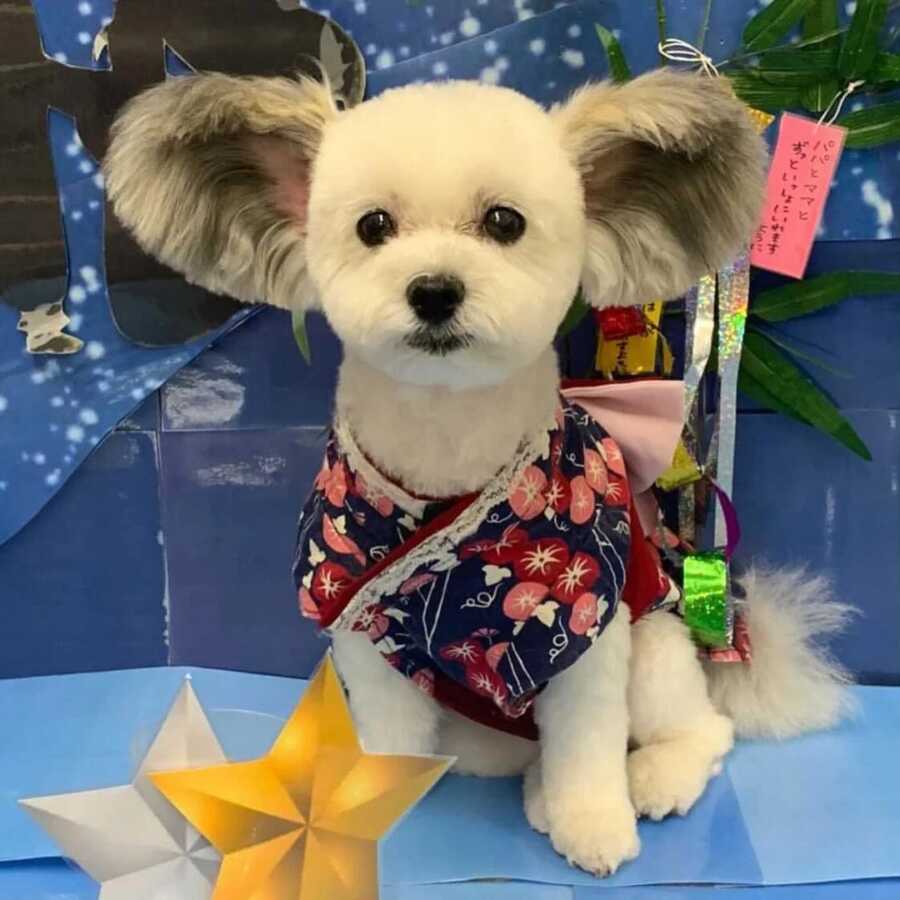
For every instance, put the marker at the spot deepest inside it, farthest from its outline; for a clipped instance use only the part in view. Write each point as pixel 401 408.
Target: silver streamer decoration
pixel 733 299
pixel 700 314
pixel 700 311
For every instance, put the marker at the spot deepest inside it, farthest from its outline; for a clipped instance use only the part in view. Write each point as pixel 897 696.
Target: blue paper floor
pixel 819 809
pixel 53 880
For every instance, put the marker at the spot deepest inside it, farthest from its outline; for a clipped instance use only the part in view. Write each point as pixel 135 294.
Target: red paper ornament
pixel 620 322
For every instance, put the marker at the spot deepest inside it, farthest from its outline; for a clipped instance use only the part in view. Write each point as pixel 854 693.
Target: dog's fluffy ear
pixel 211 174
pixel 674 176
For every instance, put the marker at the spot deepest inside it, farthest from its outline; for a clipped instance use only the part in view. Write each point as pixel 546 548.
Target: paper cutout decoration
pixel 151 304
pixel 43 327
pixel 303 822
pixel 55 409
pixel 129 838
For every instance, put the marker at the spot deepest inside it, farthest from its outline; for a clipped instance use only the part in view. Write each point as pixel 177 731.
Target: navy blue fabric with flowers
pixel 520 597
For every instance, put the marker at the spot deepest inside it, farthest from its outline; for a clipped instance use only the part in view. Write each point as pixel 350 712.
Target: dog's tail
pixel 792 685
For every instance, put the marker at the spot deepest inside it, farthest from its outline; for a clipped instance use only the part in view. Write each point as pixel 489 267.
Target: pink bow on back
pixel 644 418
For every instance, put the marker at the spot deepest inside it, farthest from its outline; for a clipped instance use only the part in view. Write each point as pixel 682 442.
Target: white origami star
pixel 130 838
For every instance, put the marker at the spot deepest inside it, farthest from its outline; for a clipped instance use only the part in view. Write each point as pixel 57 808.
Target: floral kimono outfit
pixel 481 600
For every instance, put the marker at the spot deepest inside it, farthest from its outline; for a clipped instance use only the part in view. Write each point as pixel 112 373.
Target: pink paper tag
pixel 803 165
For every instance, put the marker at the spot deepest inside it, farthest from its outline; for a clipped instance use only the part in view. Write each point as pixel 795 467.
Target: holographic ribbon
pixel 700 315
pixel 706 603
pixel 706 609
pixel 733 298
pixel 700 312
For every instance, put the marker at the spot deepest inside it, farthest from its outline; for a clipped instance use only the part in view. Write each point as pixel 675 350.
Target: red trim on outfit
pixel 642 573
pixel 482 710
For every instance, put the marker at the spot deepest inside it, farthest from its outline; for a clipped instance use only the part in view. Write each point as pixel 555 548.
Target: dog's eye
pixel 375 228
pixel 503 224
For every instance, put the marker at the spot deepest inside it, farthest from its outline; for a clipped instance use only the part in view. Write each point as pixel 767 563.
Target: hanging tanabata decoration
pixel 805 159
pixel 628 347
pixel 139 44
pixel 818 73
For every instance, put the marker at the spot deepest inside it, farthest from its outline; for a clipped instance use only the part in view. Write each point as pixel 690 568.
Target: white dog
pixel 443 230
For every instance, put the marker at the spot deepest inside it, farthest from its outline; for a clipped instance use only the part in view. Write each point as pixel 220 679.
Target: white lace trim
pixel 439 551
pixel 358 463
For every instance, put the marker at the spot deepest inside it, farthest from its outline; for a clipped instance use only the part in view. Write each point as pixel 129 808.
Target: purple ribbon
pixel 732 524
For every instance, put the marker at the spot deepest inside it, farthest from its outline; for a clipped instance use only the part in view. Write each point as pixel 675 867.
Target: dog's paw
pixel 667 778
pixel 597 840
pixel 535 802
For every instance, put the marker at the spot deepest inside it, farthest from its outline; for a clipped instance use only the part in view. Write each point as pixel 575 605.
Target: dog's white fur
pixel 793 685
pixel 253 187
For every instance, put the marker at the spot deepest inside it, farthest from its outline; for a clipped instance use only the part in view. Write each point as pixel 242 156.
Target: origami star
pixel 303 822
pixel 762 120
pixel 130 838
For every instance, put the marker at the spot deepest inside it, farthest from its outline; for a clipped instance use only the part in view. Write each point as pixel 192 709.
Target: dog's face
pixel 446 232
pixel 443 229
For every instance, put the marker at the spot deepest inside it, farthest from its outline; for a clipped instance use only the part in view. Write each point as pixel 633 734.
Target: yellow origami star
pixel 761 120
pixel 303 822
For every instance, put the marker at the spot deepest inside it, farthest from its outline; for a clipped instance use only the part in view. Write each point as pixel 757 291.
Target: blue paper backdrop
pixel 172 543
pixel 542 47
pixel 55 410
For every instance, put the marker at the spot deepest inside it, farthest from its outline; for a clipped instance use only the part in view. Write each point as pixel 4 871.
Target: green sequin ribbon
pixel 706 607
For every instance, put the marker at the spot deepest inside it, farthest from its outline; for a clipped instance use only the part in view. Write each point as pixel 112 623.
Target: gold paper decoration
pixel 303 822
pixel 636 354
pixel 760 119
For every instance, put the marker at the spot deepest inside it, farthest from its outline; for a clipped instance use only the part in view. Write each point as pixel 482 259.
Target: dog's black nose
pixel 434 298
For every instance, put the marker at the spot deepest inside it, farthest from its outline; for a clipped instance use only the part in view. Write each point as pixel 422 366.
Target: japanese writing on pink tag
pixel 803 165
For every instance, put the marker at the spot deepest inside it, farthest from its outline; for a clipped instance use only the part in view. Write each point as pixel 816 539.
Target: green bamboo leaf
pixel 821 19
pixel 618 65
pixel 817 97
pixel 759 94
pixel 886 68
pixel 784 381
pixel 758 392
pixel 800 298
pixel 796 67
pixel 298 321
pixel 861 42
pixel 792 59
pixel 873 126
pixel 795 352
pixel 820 40
pixel 577 311
pixel 773 22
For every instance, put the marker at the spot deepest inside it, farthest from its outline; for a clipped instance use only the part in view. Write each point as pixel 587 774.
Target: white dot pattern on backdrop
pixel 551 50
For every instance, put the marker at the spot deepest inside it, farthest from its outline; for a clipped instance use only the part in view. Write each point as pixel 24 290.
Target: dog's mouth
pixel 438 342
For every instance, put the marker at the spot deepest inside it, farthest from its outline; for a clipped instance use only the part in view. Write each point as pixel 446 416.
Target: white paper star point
pixel 130 838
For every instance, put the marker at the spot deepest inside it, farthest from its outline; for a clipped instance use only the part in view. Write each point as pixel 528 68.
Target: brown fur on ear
pixel 211 174
pixel 674 178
